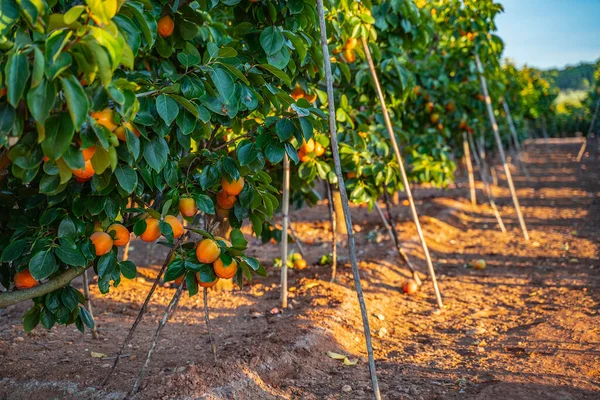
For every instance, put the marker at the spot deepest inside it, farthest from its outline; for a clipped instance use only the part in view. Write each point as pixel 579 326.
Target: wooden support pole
pixel 486 188
pixel 492 118
pixel 589 133
pixel 413 208
pixel 469 170
pixel 213 345
pixel 332 215
pixel 515 137
pixel 285 209
pixel 345 204
pixel 88 302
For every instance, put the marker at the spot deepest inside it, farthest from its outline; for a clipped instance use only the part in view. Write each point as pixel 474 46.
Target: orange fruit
pixel 308 147
pixel 349 56
pixel 227 242
pixel 234 188
pixel 351 44
pixel 297 93
pixel 430 107
pixel 122 235
pixel 303 156
pixel 207 251
pixel 105 118
pixel 225 271
pixel 300 264
pixel 319 149
pixel 479 264
pixel 176 226
pixel 166 26
pixel 122 134
pixel 410 287
pixel 102 242
pixel 88 153
pixel 179 280
pixel 351 175
pixel 310 97
pixel 187 206
pixel 86 173
pixel 206 284
pixel 152 231
pixel 24 280
pixel 225 201
pixel 434 118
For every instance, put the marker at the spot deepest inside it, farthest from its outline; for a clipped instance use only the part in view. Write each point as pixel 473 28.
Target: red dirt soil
pixel 525 327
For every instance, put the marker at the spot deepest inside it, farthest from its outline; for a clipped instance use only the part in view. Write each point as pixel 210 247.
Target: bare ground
pixel 526 327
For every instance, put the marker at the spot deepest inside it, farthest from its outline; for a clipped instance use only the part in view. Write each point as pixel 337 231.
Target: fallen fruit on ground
pixel 479 264
pixel 410 287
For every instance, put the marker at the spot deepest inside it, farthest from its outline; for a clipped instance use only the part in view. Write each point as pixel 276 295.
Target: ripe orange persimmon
pixel 207 251
pixel 105 118
pixel 351 175
pixel 308 147
pixel 410 287
pixel 297 93
pixel 152 231
pixel 187 206
pixel 24 280
pixel 349 56
pixel 303 156
pixel 233 188
pixel 176 226
pixel 225 271
pixel 225 201
pixel 206 284
pixel 351 44
pixel 122 133
pixel 122 235
pixel 430 107
pixel 86 173
pixel 310 97
pixel 227 242
pixel 434 118
pixel 179 280
pixel 479 264
pixel 102 242
pixel 300 264
pixel 88 153
pixel 166 26
pixel 319 149
pixel 450 107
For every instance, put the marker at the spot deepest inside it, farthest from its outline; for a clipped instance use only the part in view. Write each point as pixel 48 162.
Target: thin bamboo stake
pixel 515 137
pixel 285 209
pixel 213 345
pixel 469 170
pixel 413 208
pixel 394 236
pixel 492 118
pixel 486 188
pixel 333 233
pixel 142 311
pixel 161 325
pixel 126 252
pixel 344 196
pixel 297 241
pixel 88 302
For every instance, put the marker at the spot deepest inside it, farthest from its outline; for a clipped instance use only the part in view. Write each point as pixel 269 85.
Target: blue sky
pixel 550 33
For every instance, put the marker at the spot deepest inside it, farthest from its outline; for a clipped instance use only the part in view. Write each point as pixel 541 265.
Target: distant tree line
pixel 579 77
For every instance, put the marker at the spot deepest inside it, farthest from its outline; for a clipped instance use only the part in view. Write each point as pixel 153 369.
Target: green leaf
pixel 284 129
pixel 189 56
pixel 156 153
pixel 237 240
pixel 38 67
pixel 41 99
pixel 67 228
pixel 72 257
pixel 223 83
pixel 17 74
pixel 77 101
pixel 271 40
pixel 246 153
pixel 174 270
pixel 167 108
pixel 86 317
pixel 205 204
pixel 59 133
pixel 43 264
pixel 31 319
pixel 103 10
pixel 13 250
pixel 127 178
pixel 277 73
pixel 128 269
pixel 69 298
pixel 106 264
pixel 10 14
